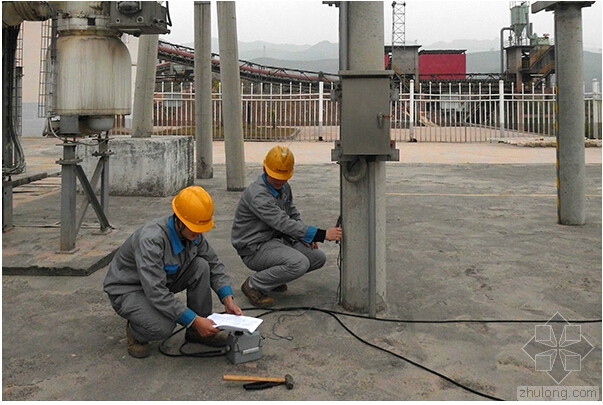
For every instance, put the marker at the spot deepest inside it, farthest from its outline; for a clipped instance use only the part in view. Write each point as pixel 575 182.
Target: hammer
pixel 269 381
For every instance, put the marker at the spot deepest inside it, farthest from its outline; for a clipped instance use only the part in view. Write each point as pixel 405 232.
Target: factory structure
pixel 525 57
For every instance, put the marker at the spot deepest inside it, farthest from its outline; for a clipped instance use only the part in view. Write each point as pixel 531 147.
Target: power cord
pixel 278 322
pixel 429 370
pixel 332 313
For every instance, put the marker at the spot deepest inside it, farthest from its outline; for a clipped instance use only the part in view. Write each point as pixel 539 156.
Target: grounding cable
pixel 334 314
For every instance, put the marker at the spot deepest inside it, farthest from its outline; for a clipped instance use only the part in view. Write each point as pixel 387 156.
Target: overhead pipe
pixel 15 12
pixel 502 49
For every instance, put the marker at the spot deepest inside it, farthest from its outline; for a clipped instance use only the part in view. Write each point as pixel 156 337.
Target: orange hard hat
pixel 279 163
pixel 195 208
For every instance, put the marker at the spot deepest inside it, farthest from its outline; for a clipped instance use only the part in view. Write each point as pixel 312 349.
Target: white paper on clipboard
pixel 236 322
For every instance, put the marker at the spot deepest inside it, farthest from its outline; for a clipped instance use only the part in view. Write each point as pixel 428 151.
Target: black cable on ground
pixel 426 321
pixel 450 380
pixel 332 313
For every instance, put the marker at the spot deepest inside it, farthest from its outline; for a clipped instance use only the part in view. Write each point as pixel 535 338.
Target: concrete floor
pixel 472 235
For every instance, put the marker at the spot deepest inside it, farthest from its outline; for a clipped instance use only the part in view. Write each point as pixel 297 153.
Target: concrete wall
pixel 157 167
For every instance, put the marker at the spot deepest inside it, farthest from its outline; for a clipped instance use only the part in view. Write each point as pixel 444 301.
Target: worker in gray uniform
pixel 163 257
pixel 270 236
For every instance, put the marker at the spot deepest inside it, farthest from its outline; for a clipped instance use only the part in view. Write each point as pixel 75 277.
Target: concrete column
pixel 231 100
pixel 203 86
pixel 363 196
pixel 570 117
pixel 144 90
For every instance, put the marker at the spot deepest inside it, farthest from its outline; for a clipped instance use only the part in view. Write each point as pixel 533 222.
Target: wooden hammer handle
pixel 229 377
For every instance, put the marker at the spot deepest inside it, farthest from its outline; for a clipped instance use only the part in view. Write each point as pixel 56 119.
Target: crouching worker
pixel 163 257
pixel 269 234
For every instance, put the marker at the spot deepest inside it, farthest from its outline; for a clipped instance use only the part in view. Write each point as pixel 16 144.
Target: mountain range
pixel 483 56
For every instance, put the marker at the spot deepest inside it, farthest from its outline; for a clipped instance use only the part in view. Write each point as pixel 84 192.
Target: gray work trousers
pixel 146 322
pixel 280 261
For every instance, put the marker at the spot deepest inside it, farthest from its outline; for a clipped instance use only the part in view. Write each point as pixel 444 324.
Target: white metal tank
pixel 93 75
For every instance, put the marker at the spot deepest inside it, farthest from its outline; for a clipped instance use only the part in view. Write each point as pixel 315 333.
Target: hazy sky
pixel 310 21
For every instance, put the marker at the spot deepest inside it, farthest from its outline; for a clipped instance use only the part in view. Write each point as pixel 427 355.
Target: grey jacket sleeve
pixel 266 208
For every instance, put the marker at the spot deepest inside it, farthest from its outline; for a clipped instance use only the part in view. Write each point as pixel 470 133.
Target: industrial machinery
pixel 87 83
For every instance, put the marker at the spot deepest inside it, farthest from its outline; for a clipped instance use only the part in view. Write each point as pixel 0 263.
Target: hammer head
pixel 288 381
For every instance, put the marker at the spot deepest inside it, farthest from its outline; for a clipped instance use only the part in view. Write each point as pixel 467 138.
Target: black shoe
pixel 256 297
pixel 218 340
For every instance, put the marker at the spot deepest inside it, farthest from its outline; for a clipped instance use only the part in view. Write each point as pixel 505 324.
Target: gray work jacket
pixel 152 257
pixel 264 213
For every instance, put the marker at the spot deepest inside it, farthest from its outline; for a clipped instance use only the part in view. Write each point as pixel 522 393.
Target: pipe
pixel 502 49
pixel 343 35
pixel 372 243
pixel 15 12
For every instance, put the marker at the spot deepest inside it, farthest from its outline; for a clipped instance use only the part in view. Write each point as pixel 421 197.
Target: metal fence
pixel 428 112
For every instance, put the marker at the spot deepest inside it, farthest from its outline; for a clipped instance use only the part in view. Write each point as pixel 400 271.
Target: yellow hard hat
pixel 279 163
pixel 195 208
